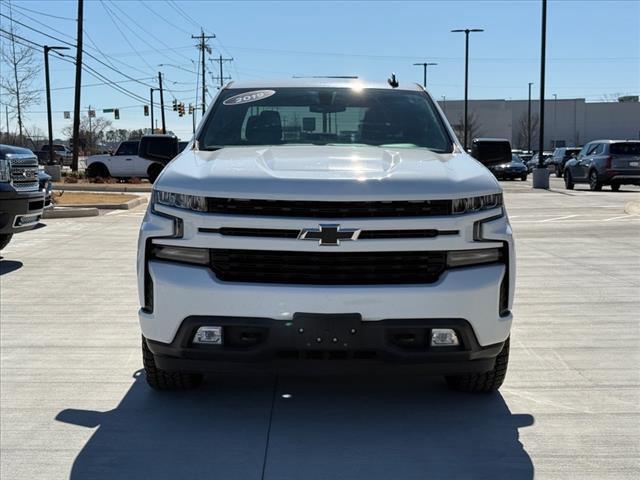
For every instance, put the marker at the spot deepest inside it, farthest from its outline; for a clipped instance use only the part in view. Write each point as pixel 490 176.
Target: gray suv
pixel 605 162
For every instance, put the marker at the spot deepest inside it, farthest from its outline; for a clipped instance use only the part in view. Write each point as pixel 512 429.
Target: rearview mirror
pixel 158 148
pixel 491 151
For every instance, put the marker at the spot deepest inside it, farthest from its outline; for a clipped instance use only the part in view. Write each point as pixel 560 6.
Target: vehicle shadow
pixel 8 266
pixel 313 428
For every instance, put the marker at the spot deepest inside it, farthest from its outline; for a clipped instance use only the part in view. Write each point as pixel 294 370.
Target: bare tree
pixel 523 130
pixel 473 131
pixel 18 78
pixel 92 131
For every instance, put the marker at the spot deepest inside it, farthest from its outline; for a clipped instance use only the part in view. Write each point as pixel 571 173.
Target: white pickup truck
pixel 327 224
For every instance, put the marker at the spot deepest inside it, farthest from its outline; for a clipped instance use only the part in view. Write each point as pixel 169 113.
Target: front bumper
pixel 324 343
pixel 20 211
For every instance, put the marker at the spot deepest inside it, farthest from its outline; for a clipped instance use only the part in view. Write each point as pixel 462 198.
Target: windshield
pixel 324 116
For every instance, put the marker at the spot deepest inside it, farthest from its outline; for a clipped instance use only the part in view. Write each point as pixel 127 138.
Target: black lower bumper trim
pixel 324 343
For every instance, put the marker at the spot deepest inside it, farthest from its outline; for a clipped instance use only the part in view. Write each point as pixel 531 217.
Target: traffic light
pixel 175 105
pixel 190 109
pixel 181 109
pixel 116 113
pixel 146 110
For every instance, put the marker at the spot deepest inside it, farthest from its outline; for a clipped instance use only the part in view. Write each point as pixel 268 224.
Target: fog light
pixel 444 337
pixel 208 335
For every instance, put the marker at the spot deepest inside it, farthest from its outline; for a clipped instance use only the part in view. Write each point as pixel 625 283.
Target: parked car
pixel 21 198
pixel 561 156
pixel 533 161
pixel 605 162
pixel 124 163
pixel 511 170
pixel 342 243
pixel 62 155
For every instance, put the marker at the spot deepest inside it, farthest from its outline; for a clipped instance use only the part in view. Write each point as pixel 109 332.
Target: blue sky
pixel 593 47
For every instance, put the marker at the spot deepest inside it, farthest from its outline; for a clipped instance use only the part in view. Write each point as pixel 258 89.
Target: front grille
pixel 290 233
pixel 345 268
pixel 295 208
pixel 24 174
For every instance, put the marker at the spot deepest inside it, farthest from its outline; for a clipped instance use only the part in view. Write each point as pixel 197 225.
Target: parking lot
pixel 74 403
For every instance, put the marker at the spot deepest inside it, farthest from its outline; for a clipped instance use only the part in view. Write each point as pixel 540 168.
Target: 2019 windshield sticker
pixel 248 97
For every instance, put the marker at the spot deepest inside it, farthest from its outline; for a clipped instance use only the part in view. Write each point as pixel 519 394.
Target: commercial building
pixel 568 122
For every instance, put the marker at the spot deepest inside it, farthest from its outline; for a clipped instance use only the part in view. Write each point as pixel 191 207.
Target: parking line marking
pixel 616 218
pixel 557 218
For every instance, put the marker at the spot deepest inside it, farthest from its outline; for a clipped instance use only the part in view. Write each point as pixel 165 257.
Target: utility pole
pixel 164 126
pixel 202 45
pixel 6 116
pixel 466 32
pixel 529 120
pixel 48 89
pixel 15 73
pixel 76 103
pixel 222 78
pixel 152 130
pixel 444 104
pixel 424 65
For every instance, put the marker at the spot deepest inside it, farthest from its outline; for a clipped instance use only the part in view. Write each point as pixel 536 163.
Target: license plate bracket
pixel 320 331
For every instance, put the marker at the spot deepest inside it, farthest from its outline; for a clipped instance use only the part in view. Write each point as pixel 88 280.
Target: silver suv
pixel 605 162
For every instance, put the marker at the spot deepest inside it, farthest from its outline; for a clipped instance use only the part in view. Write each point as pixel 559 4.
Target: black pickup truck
pixel 22 199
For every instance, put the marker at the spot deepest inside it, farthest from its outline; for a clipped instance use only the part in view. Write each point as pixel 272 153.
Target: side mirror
pixel 158 148
pixel 491 151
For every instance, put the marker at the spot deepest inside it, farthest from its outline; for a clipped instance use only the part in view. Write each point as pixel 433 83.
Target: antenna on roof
pixel 393 81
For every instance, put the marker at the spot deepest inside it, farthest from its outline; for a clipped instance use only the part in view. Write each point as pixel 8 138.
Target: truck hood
pixel 326 173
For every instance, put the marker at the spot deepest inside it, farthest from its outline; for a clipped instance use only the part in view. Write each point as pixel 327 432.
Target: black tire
pixel 594 183
pixel 483 382
pixel 523 177
pixel 96 170
pixel 568 180
pixel 153 172
pixel 5 238
pixel 615 187
pixel 159 379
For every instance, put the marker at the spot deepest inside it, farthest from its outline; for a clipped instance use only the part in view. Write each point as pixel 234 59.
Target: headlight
pixel 5 170
pixel 197 256
pixel 476 204
pixel 181 200
pixel 463 258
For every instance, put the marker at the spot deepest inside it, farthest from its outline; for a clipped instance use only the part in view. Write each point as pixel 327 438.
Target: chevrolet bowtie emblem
pixel 329 235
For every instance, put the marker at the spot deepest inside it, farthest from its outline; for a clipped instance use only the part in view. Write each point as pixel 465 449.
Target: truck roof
pixel 319 82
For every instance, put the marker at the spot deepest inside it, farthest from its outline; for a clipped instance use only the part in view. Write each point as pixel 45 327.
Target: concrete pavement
pixel 74 405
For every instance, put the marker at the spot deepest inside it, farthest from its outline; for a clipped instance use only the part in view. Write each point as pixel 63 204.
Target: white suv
pixel 326 224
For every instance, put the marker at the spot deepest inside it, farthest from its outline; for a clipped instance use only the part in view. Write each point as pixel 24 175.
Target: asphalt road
pixel 74 404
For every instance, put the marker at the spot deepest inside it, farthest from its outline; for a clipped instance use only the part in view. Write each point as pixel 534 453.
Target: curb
pixel 134 202
pixel 632 207
pixel 106 187
pixel 70 212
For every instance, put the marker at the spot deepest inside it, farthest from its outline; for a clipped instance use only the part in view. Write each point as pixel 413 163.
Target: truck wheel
pixel 483 382
pixel 97 170
pixel 159 379
pixel 594 183
pixel 5 238
pixel 153 172
pixel 568 181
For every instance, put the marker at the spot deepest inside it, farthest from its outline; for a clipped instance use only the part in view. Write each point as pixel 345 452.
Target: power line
pixel 182 13
pixel 172 24
pixel 19 7
pixel 203 46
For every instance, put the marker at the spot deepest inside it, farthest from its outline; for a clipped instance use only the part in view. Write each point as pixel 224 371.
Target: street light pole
pixel 555 108
pixel 424 66
pixel 529 120
pixel 466 32
pixel 541 174
pixel 48 88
